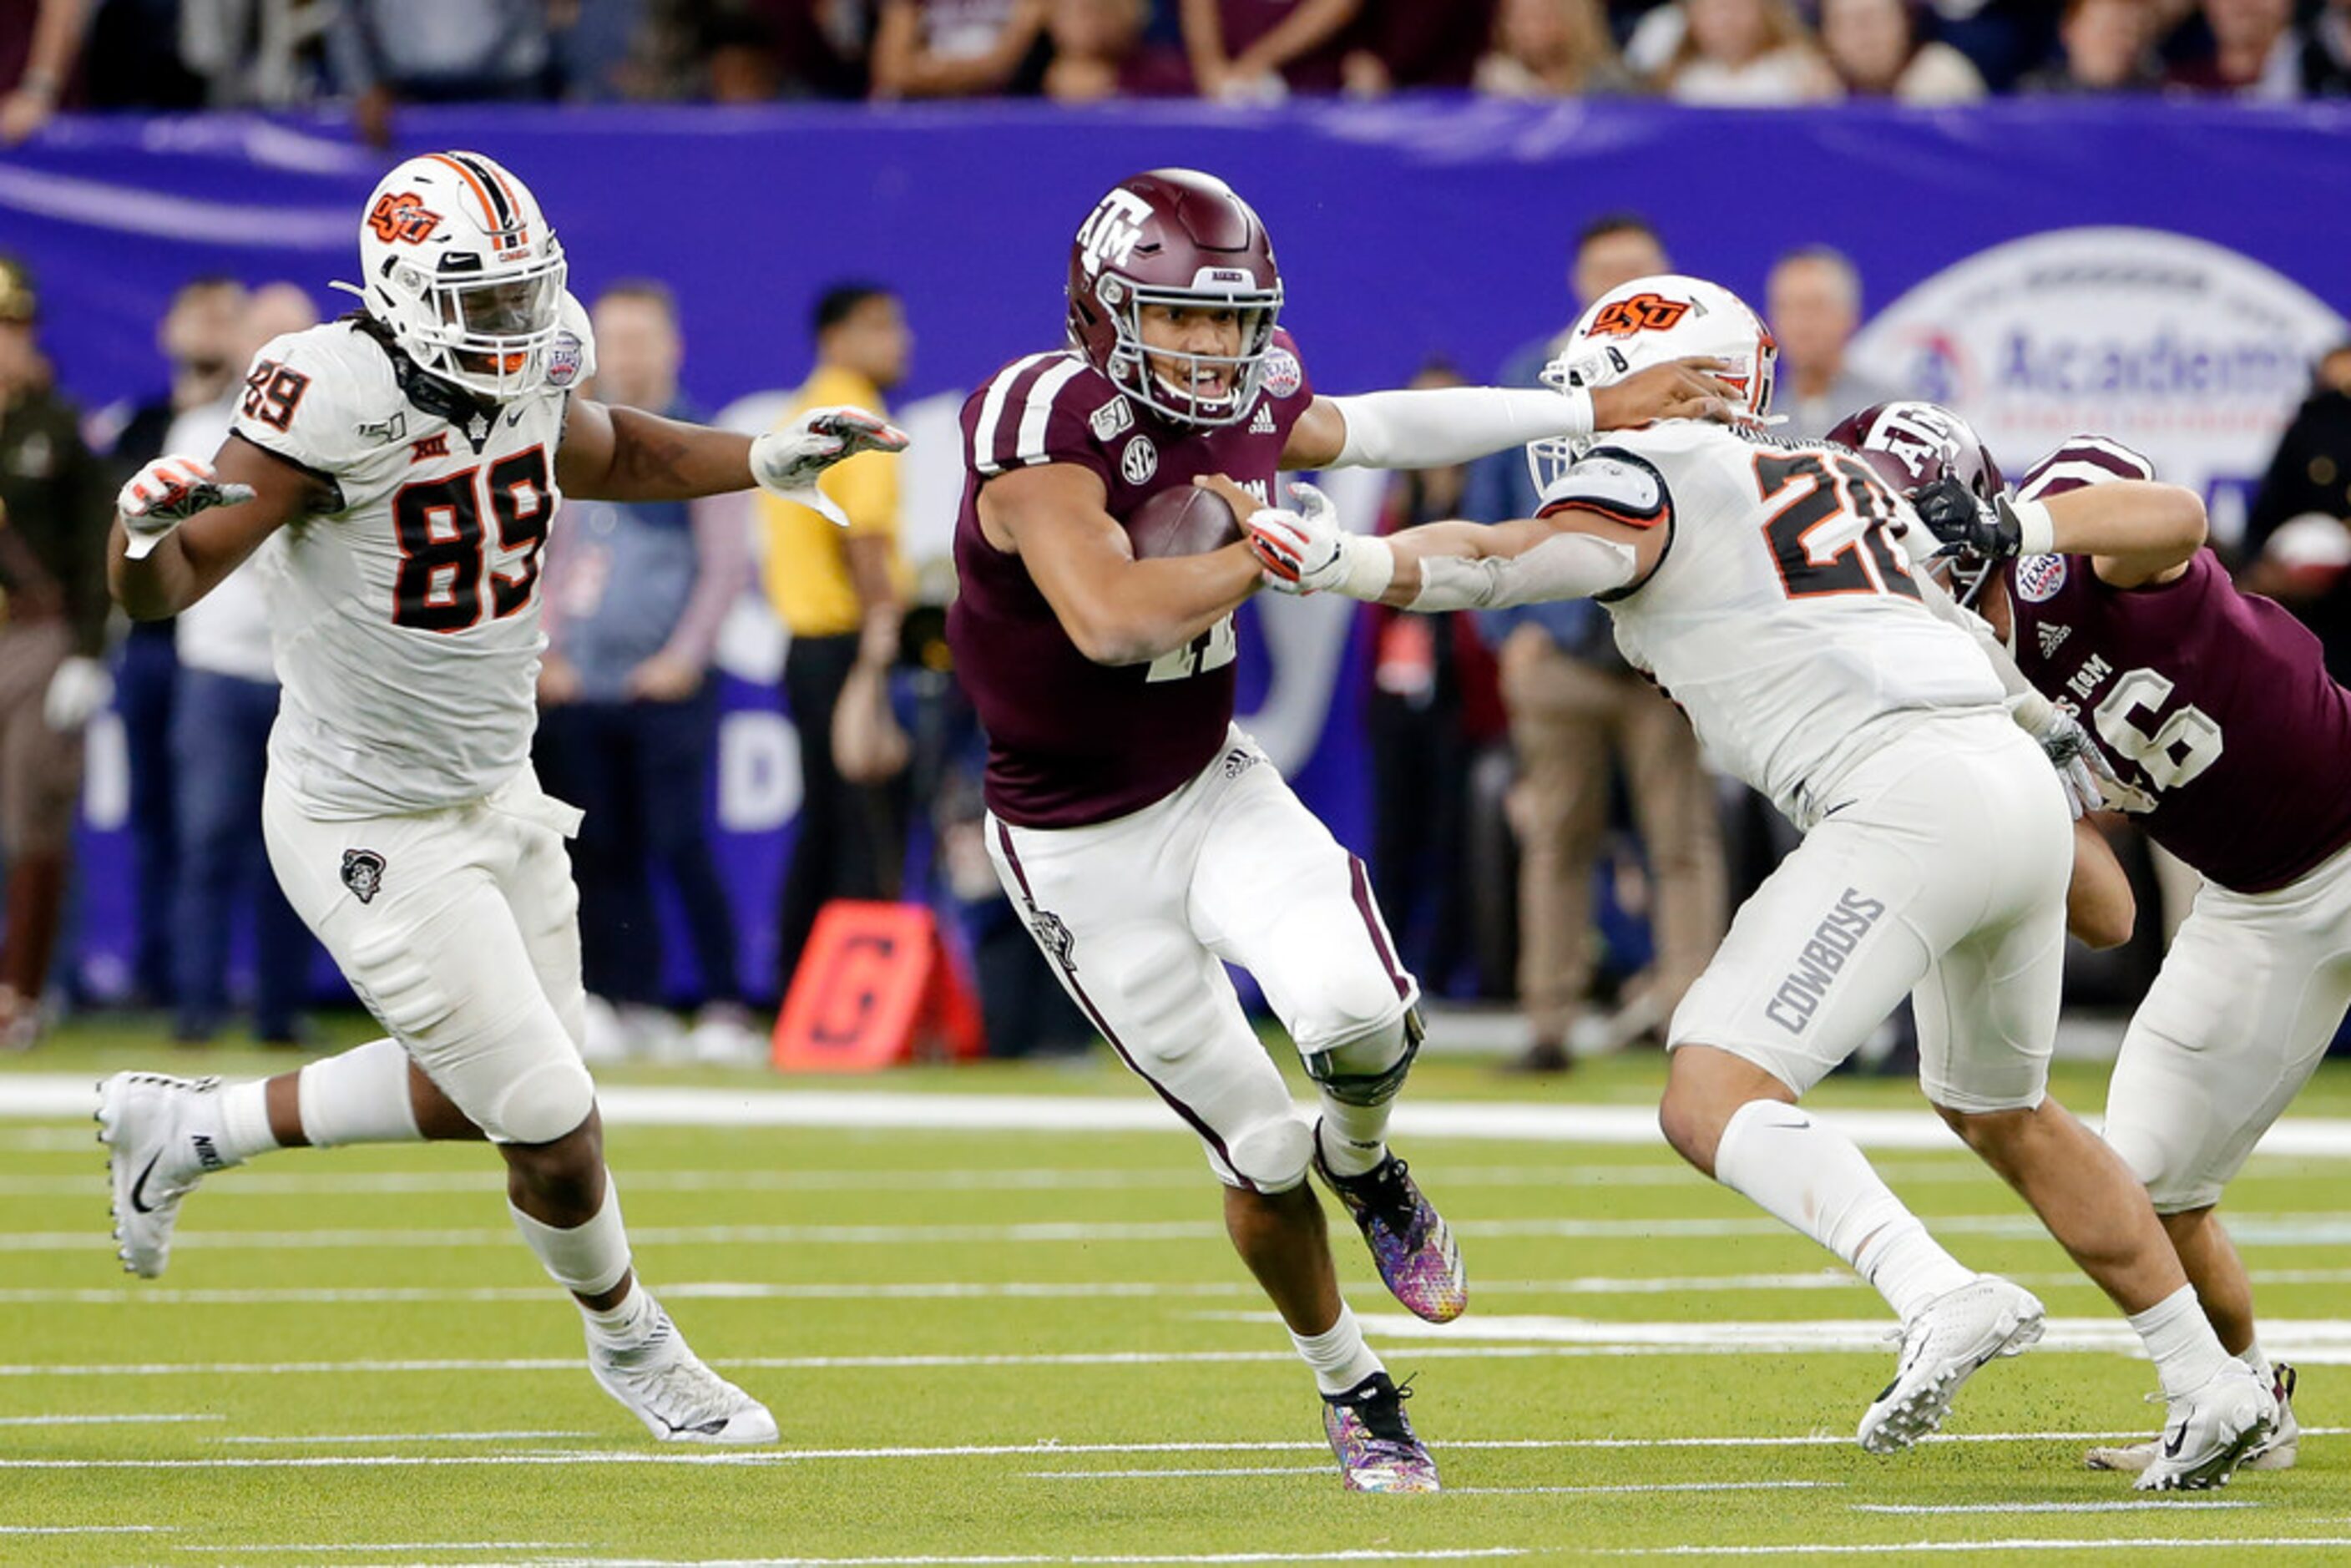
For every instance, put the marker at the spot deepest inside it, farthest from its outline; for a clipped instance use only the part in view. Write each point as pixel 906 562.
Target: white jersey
pixel 405 622
pixel 1783 616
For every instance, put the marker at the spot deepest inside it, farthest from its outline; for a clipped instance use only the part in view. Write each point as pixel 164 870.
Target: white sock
pixel 359 1097
pixel 1338 1354
pixel 1811 1178
pixel 2253 1358
pixel 2180 1341
pixel 1351 1139
pixel 245 1123
pixel 587 1259
pixel 625 1326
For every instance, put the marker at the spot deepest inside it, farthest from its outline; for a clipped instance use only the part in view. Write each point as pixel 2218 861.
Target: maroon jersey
pixel 2215 704
pixel 1070 741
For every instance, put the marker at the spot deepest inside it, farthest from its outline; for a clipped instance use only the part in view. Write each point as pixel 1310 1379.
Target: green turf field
pixel 1018 1347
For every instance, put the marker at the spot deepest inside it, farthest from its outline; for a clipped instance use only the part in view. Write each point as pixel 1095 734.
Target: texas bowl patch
pixel 1283 376
pixel 563 358
pixel 2039 577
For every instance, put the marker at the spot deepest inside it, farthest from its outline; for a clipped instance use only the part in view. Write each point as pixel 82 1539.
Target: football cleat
pixel 1411 1244
pixel 2277 1451
pixel 678 1398
pixel 160 1136
pixel 2210 1431
pixel 1950 1338
pixel 1377 1450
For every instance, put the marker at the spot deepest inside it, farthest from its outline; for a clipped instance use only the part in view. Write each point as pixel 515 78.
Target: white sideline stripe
pixel 100 1421
pixel 2052 1543
pixel 765 1291
pixel 2131 1505
pixel 88 1529
pixel 1651 1487
pixel 394 1546
pixel 33 1095
pixel 1358 1555
pixel 2259 1230
pixel 1168 1475
pixel 416 1437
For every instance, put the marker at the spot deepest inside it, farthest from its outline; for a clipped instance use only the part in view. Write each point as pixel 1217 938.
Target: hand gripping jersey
pixel 1070 741
pixel 1783 616
pixel 405 620
pixel 2214 705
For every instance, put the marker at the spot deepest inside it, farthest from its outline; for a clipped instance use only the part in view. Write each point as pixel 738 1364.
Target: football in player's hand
pixel 1182 519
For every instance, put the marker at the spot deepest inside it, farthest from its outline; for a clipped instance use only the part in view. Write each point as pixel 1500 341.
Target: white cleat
pixel 159 1132
pixel 2278 1451
pixel 678 1398
pixel 1953 1335
pixel 2210 1431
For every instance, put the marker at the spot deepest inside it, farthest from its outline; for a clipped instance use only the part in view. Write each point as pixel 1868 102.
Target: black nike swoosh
pixel 138 1187
pixel 2177 1440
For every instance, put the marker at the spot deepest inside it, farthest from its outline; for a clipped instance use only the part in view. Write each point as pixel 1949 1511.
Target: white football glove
pixel 787 463
pixel 1306 550
pixel 79 688
pixel 167 493
pixel 2081 767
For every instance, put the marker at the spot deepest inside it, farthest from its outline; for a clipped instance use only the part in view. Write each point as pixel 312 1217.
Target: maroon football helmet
pixel 1179 237
pixel 1914 443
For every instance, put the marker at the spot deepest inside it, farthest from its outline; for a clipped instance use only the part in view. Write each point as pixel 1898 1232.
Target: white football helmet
pixel 460 266
pixel 1647 322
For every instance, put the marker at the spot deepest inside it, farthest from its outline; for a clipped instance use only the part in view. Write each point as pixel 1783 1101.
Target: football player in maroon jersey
pixel 2232 743
pixel 1146 839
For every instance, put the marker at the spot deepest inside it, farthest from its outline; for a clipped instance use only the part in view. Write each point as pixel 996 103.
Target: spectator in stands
pixel 1431 705
pixel 761 50
pixel 2107 46
pixel 956 48
pixel 243 53
pixel 2305 565
pixel 1875 49
pixel 225 701
pixel 1576 712
pixel 201 337
pixel 1812 300
pixel 1256 52
pixel 56 503
pixel 1749 52
pixel 1552 48
pixel 832 588
pixel 1407 44
pixel 2327 53
pixel 2254 53
pixel 37 55
pixel 1100 50
pixel 2311 470
pixel 388 52
pixel 634 596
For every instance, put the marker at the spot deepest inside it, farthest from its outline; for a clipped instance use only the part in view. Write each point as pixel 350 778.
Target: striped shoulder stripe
pixel 2083 460
pixel 1010 430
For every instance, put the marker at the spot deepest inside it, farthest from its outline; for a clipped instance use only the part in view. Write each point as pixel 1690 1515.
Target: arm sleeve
pixel 1437 427
pixel 1568 565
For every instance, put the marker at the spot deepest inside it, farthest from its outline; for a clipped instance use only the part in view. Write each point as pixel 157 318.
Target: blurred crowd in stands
pixel 374 54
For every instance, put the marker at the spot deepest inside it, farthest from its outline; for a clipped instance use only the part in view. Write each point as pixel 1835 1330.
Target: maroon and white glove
pixel 167 493
pixel 787 463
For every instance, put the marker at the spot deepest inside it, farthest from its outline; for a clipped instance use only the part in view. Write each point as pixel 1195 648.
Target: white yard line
pixel 393 1546
pixel 44 1095
pixel 142 1420
pixel 414 1437
pixel 1359 1554
pixel 1173 1474
pixel 88 1529
pixel 2121 1505
pixel 2052 1543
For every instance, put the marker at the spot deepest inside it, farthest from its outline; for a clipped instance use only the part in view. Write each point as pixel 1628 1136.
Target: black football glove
pixel 1966 523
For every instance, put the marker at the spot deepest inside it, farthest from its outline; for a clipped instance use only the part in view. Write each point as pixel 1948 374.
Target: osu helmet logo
pixel 402 219
pixel 1641 313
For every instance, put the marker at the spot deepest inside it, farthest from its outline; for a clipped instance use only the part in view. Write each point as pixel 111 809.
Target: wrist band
pixel 2036 532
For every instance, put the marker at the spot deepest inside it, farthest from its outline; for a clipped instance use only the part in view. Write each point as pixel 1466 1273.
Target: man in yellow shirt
pixel 832 589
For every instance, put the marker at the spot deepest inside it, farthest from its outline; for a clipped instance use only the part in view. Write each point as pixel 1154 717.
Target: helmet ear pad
pixel 1182 239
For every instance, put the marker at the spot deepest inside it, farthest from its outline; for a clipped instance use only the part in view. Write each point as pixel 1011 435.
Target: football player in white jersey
pixel 1767 585
pixel 411 456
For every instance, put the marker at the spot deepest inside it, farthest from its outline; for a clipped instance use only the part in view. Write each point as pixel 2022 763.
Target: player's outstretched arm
pixel 1116 609
pixel 1437 427
pixel 2135 531
pixel 182 524
pixel 613 454
pixel 2099 908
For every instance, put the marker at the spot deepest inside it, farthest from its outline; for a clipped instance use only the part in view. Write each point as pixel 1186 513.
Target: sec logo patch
pixel 1283 375
pixel 2039 577
pixel 1140 461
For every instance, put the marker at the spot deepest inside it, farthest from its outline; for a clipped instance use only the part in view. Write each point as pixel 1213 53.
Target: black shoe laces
pixel 1380 1407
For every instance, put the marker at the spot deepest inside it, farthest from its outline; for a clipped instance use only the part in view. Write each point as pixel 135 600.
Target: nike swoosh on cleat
pixel 2176 1442
pixel 139 1187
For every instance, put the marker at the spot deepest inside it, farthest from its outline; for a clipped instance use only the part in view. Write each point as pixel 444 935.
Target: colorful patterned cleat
pixel 1410 1242
pixel 1376 1449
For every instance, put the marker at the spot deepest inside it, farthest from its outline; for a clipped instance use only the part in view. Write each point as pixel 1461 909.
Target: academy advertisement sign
pixel 2184 350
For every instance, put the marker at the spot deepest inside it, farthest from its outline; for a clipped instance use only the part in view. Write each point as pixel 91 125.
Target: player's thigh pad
pixel 2236 1023
pixel 1273 892
pixel 545 899
pixel 1104 904
pixel 435 951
